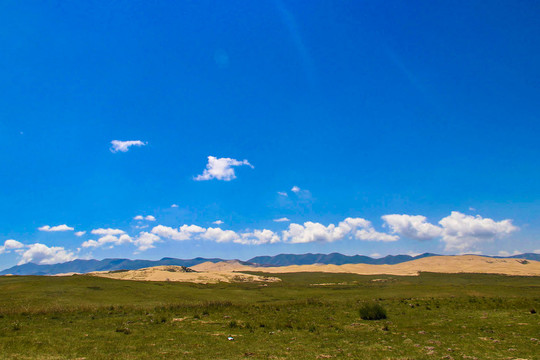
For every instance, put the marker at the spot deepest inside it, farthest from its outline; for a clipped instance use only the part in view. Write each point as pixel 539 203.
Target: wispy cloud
pixel 123 146
pixel 283 219
pixel 108 231
pixel 147 218
pixel 62 227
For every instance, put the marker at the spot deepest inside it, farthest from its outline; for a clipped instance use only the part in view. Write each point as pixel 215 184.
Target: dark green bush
pixel 124 330
pixel 372 311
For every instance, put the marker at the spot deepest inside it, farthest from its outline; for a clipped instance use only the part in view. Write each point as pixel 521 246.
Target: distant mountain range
pixel 333 258
pixel 85 266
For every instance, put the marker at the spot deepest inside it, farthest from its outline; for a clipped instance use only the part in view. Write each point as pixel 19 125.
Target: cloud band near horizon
pixel 457 232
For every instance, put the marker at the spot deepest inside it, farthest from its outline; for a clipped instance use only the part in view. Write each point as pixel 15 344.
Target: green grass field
pixel 432 316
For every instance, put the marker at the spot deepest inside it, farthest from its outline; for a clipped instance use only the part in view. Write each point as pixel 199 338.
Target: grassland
pixel 305 316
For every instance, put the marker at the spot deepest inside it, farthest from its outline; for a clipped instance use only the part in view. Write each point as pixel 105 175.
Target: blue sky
pixel 426 111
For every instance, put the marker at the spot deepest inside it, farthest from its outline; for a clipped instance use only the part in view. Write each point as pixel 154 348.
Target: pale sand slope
pixel 227 266
pixel 439 264
pixel 175 273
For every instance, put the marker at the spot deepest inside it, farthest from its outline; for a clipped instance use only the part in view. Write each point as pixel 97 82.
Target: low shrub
pixel 124 330
pixel 233 324
pixel 372 311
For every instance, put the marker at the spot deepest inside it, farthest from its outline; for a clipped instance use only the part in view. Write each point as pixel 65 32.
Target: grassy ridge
pixel 306 316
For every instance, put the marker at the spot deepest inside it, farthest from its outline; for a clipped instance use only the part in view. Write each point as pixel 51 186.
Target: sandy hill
pixel 230 265
pixel 234 271
pixel 440 264
pixel 182 274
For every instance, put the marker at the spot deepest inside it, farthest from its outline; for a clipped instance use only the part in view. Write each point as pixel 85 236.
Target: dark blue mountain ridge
pixel 85 266
pixel 333 258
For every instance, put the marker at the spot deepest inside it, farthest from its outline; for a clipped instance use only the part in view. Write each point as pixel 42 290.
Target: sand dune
pixel 177 273
pixel 440 264
pixel 231 265
pixel 234 271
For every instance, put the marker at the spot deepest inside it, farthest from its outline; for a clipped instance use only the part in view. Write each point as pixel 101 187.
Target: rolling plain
pixel 300 315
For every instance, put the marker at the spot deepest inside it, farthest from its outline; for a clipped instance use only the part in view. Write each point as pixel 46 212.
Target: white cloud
pixel 310 232
pixel 174 205
pixel 295 189
pixel 371 235
pixel 375 255
pixel 283 219
pixel 9 245
pixel 219 235
pixel 356 228
pixel 123 146
pixel 259 237
pixel 146 241
pixel 463 232
pixel 218 222
pixel 221 169
pixel 282 193
pixel 459 232
pixel 185 232
pixel 43 255
pixel 63 227
pixel 194 232
pixel 412 226
pixel 80 233
pixel 107 231
pixel 359 228
pixel 110 240
pixel 147 218
pixel 169 233
pixel 191 229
